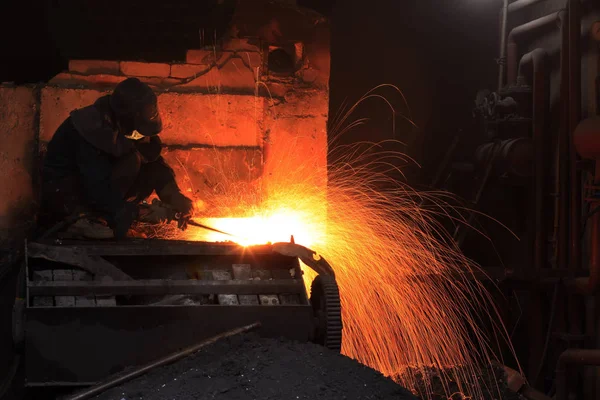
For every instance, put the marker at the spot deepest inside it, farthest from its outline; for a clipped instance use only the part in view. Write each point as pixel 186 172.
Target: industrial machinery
pixel 87 310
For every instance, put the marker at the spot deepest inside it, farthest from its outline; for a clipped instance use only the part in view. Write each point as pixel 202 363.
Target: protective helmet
pixel 135 102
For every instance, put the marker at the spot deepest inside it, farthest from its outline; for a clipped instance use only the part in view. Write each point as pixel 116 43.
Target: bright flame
pixel 277 226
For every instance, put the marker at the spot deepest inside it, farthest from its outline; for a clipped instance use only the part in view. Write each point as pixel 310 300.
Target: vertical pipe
pixel 560 176
pixel 573 111
pixel 594 248
pixel 537 59
pixel 563 169
pixel 563 146
pixel 590 333
pixel 533 67
pixel 574 119
pixel 576 305
pixel 502 56
pixel 597 339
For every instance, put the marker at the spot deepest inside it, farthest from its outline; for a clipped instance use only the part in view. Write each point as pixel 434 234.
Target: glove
pixel 122 220
pixel 183 206
pixel 185 210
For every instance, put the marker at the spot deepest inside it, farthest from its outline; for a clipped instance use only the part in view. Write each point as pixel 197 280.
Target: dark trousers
pixel 131 178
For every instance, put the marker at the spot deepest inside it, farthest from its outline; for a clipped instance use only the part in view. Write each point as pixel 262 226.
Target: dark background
pixel 439 53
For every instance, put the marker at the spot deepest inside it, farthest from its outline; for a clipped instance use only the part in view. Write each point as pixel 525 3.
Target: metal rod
pixel 563 152
pixel 208 228
pixel 590 389
pixel 574 84
pixel 575 304
pixel 502 57
pixel 127 376
pixel 594 258
pixel 534 66
pixel 164 287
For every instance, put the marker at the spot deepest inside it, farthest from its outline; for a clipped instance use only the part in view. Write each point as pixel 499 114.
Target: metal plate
pixel 79 344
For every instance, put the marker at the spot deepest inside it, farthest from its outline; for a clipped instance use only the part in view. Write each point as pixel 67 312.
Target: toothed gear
pixel 325 301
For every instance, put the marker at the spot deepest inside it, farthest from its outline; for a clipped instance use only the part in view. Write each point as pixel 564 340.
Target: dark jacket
pixel 85 150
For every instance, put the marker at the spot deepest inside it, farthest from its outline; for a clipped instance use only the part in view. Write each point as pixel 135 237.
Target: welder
pixel 104 161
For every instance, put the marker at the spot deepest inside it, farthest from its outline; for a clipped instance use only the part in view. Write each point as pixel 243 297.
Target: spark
pixel 404 310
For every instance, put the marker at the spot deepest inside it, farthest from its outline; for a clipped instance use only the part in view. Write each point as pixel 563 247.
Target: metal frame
pixel 75 346
pixel 164 287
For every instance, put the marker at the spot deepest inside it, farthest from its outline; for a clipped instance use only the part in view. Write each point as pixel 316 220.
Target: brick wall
pixel 18 126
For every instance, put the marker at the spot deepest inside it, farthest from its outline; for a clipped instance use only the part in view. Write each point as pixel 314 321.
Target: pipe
pixel 562 153
pixel 521 31
pixel 594 253
pixel 502 57
pixel 589 375
pixel 574 16
pixel 575 315
pixel 534 70
pixel 521 4
pixel 572 357
pixel 535 66
pixel 132 374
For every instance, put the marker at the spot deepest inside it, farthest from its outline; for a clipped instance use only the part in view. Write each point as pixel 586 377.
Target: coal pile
pixel 248 367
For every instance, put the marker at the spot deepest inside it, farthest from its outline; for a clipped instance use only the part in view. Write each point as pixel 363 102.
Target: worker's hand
pixel 184 217
pixel 185 210
pixel 182 221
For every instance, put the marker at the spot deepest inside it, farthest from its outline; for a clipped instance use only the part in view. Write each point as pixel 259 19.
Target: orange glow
pixel 401 302
pixel 276 226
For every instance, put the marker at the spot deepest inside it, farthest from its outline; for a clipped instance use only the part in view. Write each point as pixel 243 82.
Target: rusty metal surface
pixel 75 345
pixel 307 256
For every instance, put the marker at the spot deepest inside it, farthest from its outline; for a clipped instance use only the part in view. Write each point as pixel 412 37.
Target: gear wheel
pixel 327 311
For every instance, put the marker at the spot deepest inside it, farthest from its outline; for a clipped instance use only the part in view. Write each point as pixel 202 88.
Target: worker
pixel 104 161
